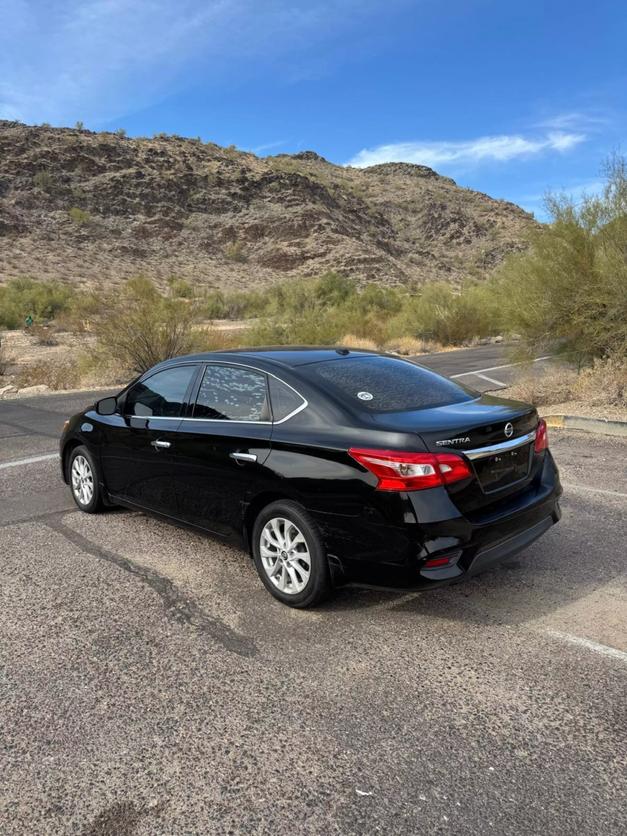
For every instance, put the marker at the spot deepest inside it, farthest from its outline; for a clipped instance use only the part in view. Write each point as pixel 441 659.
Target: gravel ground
pixel 150 685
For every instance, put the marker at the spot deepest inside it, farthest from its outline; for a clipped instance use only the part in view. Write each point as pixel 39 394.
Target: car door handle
pixel 160 445
pixel 243 457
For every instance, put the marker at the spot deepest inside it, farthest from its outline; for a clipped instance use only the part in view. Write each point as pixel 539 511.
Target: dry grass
pixel 66 375
pixel 605 382
pixel 351 341
pixel 602 384
pixel 209 338
pixel 43 335
pixel 412 345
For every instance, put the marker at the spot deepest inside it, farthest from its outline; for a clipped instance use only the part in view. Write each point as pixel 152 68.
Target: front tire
pixel 84 480
pixel 290 556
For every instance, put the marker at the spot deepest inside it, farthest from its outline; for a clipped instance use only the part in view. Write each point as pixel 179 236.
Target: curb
pixel 588 425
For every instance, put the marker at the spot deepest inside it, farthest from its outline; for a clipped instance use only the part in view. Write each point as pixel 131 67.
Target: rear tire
pixel 289 555
pixel 84 479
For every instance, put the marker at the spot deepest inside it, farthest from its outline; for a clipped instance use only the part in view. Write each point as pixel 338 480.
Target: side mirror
pixel 107 406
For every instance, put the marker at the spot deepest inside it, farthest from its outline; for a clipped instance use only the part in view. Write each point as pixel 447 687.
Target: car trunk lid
pixel 497 437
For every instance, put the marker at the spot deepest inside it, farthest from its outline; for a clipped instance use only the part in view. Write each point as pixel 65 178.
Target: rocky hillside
pixel 99 207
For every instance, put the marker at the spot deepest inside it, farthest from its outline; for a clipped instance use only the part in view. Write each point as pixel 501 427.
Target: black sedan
pixel 331 465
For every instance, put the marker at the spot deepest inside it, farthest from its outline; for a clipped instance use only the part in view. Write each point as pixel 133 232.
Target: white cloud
pixel 96 60
pixel 500 148
pixel 575 121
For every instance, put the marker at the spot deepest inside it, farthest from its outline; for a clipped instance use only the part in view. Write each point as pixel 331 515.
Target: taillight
pixel 397 471
pixel 542 437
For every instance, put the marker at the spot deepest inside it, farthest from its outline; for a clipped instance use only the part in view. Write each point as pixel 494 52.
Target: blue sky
pixel 507 97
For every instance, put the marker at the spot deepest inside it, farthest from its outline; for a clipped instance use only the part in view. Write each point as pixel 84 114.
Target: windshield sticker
pixel 365 396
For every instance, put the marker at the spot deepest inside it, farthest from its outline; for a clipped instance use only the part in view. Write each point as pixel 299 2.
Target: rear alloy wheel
pixel 289 555
pixel 84 480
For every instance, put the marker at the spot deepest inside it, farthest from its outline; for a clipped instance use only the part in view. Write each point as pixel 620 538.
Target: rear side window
pixel 162 394
pixel 285 400
pixel 229 393
pixel 384 384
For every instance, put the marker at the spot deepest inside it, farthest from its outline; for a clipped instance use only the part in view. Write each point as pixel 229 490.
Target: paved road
pixel 149 684
pixel 485 368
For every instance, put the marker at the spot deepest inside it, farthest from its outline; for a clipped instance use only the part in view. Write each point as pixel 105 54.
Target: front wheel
pixel 290 556
pixel 84 483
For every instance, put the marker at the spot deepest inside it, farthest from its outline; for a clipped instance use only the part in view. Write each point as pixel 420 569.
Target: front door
pixel 222 447
pixel 138 455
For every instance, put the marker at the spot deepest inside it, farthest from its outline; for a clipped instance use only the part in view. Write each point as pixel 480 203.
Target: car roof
pixel 285 356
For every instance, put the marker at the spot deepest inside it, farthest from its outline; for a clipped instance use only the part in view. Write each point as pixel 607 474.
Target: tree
pixel 568 292
pixel 141 327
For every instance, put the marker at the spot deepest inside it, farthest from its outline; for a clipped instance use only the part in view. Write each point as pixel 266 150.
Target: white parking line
pixel 495 368
pixel 31 460
pixel 603 649
pixel 489 379
pixel 586 489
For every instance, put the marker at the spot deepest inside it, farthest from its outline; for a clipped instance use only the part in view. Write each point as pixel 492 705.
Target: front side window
pixel 162 394
pixel 229 393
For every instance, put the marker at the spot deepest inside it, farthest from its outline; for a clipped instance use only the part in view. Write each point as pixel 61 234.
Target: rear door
pixel 222 446
pixel 138 453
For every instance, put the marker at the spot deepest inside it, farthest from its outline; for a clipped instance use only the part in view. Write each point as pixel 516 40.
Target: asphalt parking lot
pixel 150 685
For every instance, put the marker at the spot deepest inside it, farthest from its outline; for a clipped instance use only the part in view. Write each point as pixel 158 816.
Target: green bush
pixel 180 288
pixel 140 327
pixel 235 252
pixel 43 180
pixel 443 314
pixel 43 300
pixel 79 216
pixel 568 292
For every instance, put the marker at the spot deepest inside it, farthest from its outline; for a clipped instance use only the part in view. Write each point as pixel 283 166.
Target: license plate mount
pixel 503 469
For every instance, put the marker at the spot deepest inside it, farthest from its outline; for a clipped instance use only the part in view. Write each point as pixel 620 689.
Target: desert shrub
pixel 43 300
pixel 568 292
pixel 43 335
pixel 79 216
pixel 409 346
pixel 79 125
pixel 442 314
pixel 121 132
pixel 603 382
pixel 82 311
pixel 43 180
pixel 551 386
pixel 211 339
pixel 180 288
pixel 141 327
pixel 65 375
pixel 234 251
pixel 352 341
pixel 215 305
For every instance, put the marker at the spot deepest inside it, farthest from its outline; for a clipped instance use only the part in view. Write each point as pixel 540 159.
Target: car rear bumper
pixel 409 557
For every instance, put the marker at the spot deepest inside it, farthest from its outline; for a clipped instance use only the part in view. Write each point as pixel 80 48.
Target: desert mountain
pixel 100 207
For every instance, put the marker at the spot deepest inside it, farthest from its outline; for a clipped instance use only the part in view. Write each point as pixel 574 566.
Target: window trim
pixel 186 396
pixel 194 394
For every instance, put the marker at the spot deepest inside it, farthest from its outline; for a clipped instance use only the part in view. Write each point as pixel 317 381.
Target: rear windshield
pixel 384 384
